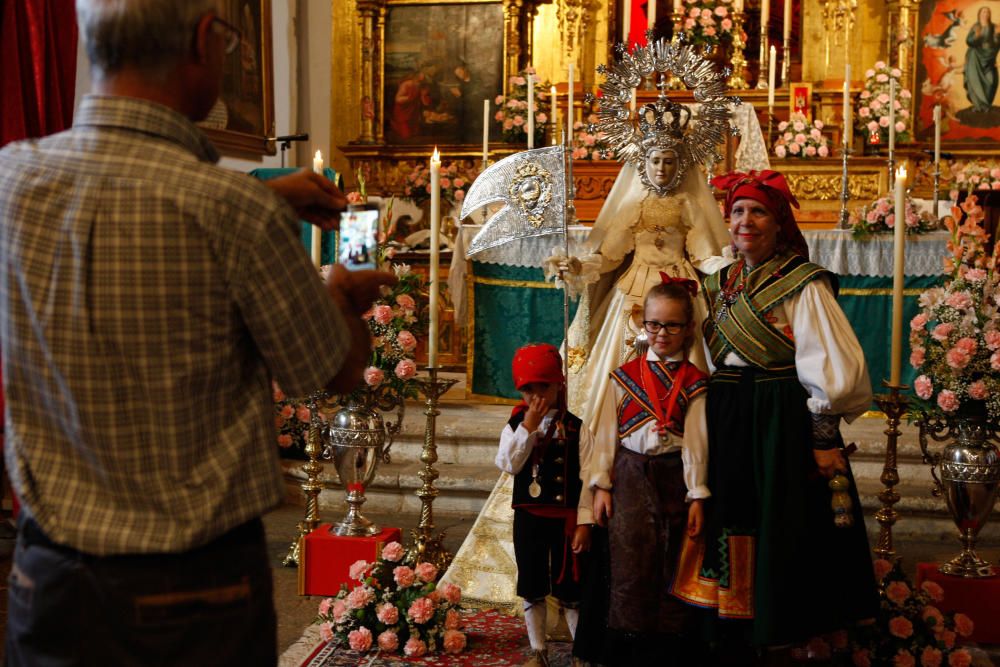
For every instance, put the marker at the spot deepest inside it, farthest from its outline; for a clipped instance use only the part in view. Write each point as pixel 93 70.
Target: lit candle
pixel 738 6
pixel 433 286
pixel 937 137
pixel 531 111
pixel 765 16
pixel 651 11
pixel 626 22
pixel 899 229
pixel 552 92
pixel 788 21
pixel 486 132
pixel 892 114
pixel 770 79
pixel 316 247
pixel 847 104
pixel 569 108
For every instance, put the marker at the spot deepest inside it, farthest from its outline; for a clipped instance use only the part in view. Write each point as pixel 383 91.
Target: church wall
pixel 867 42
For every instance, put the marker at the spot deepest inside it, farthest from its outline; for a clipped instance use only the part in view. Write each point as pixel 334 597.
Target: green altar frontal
pixel 865 269
pixel 328 240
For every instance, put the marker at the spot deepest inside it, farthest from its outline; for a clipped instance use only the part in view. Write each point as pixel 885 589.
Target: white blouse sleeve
pixel 828 357
pixel 585 508
pixel 515 448
pixel 605 430
pixel 694 454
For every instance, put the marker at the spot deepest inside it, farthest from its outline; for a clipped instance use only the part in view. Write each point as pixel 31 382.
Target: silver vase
pixel 970 475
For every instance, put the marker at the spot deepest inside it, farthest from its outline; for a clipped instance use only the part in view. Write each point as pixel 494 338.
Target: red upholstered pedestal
pixel 979 599
pixel 327 558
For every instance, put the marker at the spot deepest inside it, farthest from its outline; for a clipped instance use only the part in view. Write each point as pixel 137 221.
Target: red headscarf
pixel 770 189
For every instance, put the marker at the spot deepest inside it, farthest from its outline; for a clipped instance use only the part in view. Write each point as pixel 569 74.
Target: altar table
pixel 503 296
pixel 865 269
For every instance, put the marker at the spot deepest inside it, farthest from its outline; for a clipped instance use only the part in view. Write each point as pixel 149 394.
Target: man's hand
pixel 696 517
pixel 602 506
pixel 354 293
pixel 581 539
pixel 314 198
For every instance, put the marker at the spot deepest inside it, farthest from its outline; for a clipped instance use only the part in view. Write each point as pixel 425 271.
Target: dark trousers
pixel 209 606
pixel 544 562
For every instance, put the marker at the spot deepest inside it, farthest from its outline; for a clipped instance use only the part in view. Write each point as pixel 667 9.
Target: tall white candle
pixel 626 21
pixel 787 21
pixel 569 108
pixel 316 246
pixel 552 120
pixel 434 285
pixel 632 103
pixel 678 6
pixel 651 11
pixel 937 137
pixel 765 15
pixel 770 78
pixel 892 114
pixel 738 6
pixel 531 111
pixel 486 132
pixel 847 104
pixel 899 256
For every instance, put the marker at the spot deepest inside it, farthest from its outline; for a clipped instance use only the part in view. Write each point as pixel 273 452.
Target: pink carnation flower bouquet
pixel 879 217
pixel 394 606
pixel 799 138
pixel 955 339
pixel 512 110
pixel 910 628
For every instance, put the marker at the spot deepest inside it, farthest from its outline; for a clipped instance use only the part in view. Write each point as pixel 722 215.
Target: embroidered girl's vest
pixel 636 408
pixel 558 469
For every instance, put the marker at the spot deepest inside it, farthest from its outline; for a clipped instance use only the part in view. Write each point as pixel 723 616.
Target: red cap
pixel 770 189
pixel 537 362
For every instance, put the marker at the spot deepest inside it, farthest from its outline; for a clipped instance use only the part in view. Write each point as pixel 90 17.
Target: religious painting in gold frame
pixel 800 99
pixel 441 60
pixel 956 54
pixel 242 120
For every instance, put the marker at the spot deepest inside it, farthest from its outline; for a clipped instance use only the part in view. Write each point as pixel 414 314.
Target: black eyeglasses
pixel 672 328
pixel 230 33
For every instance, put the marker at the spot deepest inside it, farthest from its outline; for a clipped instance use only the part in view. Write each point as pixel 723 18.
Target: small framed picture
pixel 800 99
pixel 357 240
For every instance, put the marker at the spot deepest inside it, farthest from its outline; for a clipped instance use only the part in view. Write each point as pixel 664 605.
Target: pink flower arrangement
pixel 879 217
pixel 873 104
pixel 956 336
pixel 455 180
pixel 394 606
pixel 909 629
pixel 589 143
pixel 512 111
pixel 799 138
pixel 707 22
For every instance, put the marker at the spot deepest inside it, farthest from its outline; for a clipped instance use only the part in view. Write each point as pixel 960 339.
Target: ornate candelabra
pixel 764 55
pixel 894 406
pixel 312 486
pixel 429 547
pixel 673 81
pixel 738 78
pixel 844 185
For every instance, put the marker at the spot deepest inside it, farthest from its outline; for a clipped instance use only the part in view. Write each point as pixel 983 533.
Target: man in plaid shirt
pixel 147 299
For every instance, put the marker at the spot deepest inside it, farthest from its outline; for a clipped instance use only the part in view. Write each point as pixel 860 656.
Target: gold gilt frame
pixel 246 101
pixel 518 20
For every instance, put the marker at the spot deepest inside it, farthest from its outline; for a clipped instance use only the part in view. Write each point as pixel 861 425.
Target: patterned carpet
pixel 494 639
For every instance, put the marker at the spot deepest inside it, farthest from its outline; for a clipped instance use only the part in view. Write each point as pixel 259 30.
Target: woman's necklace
pixel 731 290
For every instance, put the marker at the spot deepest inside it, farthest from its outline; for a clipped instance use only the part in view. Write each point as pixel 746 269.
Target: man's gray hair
pixel 147 34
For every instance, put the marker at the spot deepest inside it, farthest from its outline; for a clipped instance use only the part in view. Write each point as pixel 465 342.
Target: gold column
pixel 906 28
pixel 891 34
pixel 511 43
pixel 371 20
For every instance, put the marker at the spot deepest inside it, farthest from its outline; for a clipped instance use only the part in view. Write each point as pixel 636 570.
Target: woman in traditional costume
pixel 786 366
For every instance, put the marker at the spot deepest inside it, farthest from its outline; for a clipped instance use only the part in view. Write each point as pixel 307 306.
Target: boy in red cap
pixel 546 448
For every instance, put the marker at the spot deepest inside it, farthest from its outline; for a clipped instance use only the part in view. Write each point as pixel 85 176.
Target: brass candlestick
pixel 430 547
pixel 786 62
pixel 312 486
pixel 673 81
pixel 894 406
pixel 764 55
pixel 844 186
pixel 738 78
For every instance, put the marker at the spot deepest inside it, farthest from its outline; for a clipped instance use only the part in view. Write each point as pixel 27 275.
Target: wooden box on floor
pixel 327 558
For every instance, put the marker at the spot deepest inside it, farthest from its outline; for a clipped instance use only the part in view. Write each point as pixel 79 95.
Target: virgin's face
pixel 754 230
pixel 661 167
pixel 984 16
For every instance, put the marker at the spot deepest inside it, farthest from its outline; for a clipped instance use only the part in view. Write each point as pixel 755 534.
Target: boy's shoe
pixel 538 659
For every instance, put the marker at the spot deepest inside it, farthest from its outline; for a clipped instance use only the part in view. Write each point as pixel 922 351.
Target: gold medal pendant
pixel 534 489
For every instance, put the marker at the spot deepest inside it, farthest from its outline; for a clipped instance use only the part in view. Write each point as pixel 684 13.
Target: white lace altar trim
pixel 838 251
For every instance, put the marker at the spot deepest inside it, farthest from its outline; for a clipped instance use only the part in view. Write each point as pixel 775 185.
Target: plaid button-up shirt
pixel 147 297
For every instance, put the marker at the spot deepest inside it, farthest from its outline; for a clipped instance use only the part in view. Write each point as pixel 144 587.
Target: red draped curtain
pixel 38 42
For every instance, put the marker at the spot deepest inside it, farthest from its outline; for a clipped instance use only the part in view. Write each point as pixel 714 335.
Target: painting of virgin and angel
pixel 957 68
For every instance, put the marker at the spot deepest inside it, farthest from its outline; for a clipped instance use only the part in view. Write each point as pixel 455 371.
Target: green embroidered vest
pixel 737 319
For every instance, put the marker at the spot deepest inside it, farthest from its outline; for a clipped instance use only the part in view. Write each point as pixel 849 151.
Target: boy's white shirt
pixel 645 440
pixel 515 450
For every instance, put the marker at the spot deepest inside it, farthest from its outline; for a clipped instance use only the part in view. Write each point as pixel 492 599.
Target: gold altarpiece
pixel 549 34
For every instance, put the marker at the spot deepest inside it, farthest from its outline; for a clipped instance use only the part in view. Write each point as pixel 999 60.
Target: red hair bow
pixel 690 285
